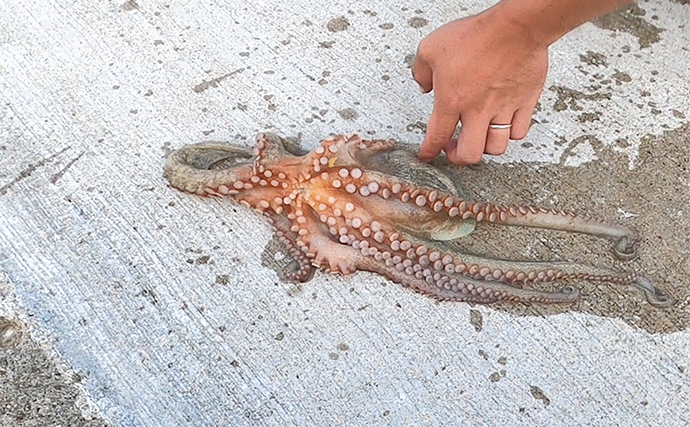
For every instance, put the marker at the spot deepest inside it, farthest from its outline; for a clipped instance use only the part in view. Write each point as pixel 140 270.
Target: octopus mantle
pixel 354 204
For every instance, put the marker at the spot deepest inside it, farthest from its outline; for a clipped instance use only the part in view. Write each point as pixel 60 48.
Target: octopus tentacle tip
pixel 625 249
pixel 571 293
pixel 303 276
pixel 570 290
pixel 659 299
pixel 654 295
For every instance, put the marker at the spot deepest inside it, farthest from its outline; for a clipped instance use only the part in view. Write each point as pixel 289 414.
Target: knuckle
pixel 480 107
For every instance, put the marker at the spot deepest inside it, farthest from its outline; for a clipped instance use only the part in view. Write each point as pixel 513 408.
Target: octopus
pixel 354 204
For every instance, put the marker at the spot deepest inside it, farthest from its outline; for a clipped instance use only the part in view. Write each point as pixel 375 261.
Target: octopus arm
pixel 208 168
pixel 460 288
pixel 444 206
pixel 565 221
pixel 289 238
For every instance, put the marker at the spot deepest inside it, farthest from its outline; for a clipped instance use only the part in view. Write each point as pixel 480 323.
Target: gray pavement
pixel 125 302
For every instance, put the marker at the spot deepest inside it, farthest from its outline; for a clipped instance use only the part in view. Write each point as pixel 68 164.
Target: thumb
pixel 423 74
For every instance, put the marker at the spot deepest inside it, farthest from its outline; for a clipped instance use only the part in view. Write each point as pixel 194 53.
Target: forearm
pixel 545 21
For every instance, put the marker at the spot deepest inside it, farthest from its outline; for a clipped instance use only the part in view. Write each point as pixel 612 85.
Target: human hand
pixel 483 70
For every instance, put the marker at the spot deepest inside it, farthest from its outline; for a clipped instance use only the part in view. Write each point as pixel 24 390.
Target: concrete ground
pixel 127 303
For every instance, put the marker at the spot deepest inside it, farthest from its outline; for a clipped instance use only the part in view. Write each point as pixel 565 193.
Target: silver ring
pixel 507 126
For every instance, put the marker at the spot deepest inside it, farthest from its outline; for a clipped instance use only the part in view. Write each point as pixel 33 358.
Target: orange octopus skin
pixel 353 204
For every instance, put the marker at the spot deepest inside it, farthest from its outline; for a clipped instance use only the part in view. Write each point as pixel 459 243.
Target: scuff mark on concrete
pixel 215 82
pixel 31 168
pixel 348 114
pixel 476 320
pixel 129 5
pixel 59 175
pixel 418 22
pixel 538 394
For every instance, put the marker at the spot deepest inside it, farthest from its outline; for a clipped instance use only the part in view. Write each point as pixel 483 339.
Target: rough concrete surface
pixel 128 303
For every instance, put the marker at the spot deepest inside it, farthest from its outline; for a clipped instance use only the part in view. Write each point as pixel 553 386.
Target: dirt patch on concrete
pixel 653 199
pixel 336 25
pixel 33 391
pixel 630 19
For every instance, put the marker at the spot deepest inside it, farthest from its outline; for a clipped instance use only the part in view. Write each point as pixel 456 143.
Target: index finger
pixel 440 129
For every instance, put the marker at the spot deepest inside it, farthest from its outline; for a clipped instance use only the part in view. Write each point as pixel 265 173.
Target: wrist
pixel 542 22
pixel 526 20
